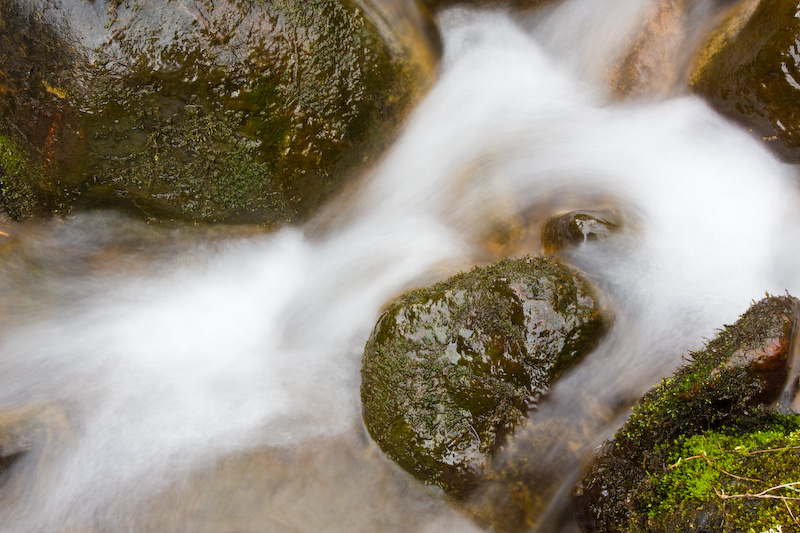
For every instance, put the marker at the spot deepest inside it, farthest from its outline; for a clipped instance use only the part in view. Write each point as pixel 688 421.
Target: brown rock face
pixel 749 70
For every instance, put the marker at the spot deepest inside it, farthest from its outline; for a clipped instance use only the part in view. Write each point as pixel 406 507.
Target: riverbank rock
pixel 707 450
pixel 450 370
pixel 749 70
pixel 237 111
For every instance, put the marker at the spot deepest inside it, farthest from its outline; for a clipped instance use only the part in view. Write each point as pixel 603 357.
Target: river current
pixel 190 381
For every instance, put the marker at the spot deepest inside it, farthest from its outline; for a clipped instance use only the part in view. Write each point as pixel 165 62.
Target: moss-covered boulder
pixel 707 450
pixel 749 70
pixel 573 228
pixel 450 370
pixel 237 111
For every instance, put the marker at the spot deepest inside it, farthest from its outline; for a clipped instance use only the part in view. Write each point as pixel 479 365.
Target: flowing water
pixel 184 380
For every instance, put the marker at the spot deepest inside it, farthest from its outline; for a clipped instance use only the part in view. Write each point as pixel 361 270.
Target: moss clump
pixel 19 181
pixel 452 369
pixel 724 391
pixel 727 481
pixel 750 71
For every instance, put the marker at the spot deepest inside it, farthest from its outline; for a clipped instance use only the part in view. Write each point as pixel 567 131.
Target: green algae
pixel 451 370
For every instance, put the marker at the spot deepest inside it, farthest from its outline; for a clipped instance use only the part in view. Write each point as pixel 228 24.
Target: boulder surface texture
pixel 236 111
pixel 450 370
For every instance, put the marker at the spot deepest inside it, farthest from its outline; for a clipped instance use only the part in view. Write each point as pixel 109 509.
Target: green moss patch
pixel 732 481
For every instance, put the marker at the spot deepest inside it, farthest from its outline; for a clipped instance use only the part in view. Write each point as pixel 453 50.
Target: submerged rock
pixel 452 369
pixel 26 431
pixel 697 445
pixel 235 111
pixel 575 227
pixel 749 70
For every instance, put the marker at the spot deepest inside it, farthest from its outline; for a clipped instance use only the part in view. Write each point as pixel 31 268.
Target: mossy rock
pixel 450 370
pixel 749 70
pixel 240 111
pixel 705 434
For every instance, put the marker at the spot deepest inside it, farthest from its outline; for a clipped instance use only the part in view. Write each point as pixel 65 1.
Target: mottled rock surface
pixel 452 369
pixel 239 111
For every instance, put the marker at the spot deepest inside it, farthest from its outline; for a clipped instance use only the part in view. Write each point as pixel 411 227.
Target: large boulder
pixel 450 370
pixel 707 450
pixel 237 111
pixel 749 70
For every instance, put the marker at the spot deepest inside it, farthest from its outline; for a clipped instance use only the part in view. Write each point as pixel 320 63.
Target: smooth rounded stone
pixel 236 111
pixel 697 443
pixel 451 370
pixel 749 70
pixel 573 228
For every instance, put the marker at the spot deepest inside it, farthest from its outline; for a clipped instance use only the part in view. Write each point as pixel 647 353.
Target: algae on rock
pixel 452 369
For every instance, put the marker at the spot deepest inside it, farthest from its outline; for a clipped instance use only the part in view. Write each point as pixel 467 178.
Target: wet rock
pixel 517 4
pixel 653 63
pixel 573 228
pixel 706 437
pixel 749 70
pixel 237 111
pixel 27 431
pixel 449 371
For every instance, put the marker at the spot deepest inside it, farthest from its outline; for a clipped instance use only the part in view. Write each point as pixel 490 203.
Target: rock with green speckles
pixel 452 369
pixel 749 70
pixel 714 428
pixel 235 111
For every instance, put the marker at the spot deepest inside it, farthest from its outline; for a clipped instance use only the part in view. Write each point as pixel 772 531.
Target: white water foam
pixel 255 348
